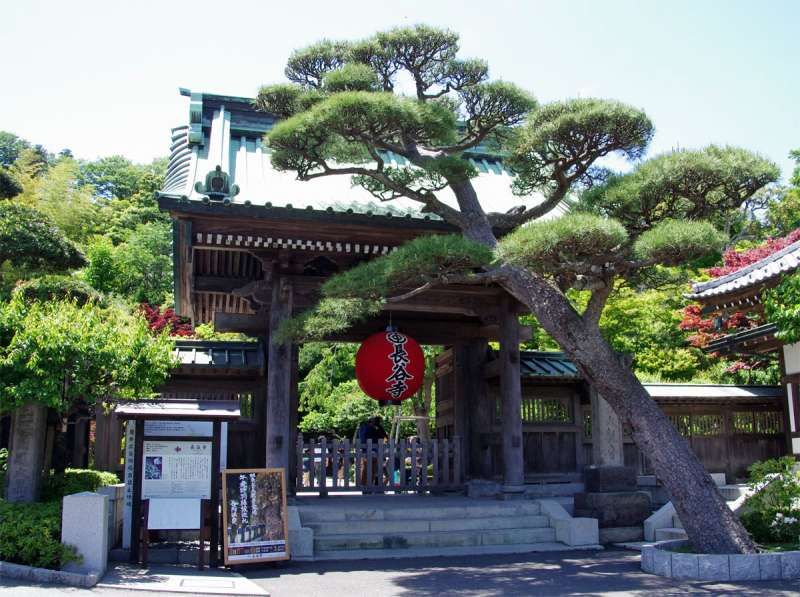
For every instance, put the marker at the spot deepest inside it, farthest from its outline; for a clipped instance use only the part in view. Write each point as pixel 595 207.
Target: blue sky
pixel 102 78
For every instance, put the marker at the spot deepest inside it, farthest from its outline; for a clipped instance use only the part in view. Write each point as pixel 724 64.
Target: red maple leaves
pixel 159 320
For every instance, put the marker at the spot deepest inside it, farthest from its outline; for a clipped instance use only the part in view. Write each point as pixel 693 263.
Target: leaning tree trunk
pixel 709 523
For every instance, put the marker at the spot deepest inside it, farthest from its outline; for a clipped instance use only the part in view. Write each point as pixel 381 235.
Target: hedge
pixel 30 533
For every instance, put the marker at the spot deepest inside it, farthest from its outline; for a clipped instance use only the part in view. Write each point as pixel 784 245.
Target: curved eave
pixel 178 204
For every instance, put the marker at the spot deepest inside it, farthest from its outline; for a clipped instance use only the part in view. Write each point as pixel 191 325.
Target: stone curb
pixel 45 575
pixel 660 559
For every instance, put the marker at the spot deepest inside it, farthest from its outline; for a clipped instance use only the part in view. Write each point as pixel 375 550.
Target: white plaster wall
pixel 791 356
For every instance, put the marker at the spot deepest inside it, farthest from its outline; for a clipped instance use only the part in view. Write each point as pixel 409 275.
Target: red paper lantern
pixel 390 366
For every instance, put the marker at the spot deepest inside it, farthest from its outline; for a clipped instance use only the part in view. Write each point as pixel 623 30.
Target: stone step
pixel 406 540
pixel 429 552
pixel 488 523
pixel 668 534
pixel 732 492
pixel 310 514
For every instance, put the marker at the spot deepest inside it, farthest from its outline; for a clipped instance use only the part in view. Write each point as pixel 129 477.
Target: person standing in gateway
pixel 372 429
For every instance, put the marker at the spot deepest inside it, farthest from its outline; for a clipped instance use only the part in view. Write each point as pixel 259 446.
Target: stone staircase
pixel 414 527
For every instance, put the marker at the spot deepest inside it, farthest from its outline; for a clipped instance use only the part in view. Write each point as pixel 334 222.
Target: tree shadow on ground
pixel 561 573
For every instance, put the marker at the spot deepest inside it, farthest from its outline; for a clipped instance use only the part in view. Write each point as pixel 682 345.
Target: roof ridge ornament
pixel 217 187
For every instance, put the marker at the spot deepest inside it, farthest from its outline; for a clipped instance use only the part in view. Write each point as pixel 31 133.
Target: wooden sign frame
pixel 225 514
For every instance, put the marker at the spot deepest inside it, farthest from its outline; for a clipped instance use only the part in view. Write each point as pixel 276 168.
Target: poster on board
pixel 254 517
pixel 180 469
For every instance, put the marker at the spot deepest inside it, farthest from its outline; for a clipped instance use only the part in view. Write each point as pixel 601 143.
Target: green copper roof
pixel 227 131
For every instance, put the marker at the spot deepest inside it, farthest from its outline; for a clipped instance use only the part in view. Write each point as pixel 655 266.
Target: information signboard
pixel 255 521
pixel 179 469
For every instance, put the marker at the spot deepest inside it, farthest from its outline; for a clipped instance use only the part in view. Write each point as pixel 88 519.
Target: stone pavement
pixel 571 573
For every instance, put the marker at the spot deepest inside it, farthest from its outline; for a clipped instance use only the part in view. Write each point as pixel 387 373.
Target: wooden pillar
pixel 294 421
pixel 136 507
pixel 470 403
pixel 102 438
pixel 26 453
pixel 216 479
pixel 279 379
pixel 511 392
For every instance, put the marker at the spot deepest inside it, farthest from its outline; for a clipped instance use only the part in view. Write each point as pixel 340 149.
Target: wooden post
pixel 136 507
pixel 215 481
pixel 511 391
pixel 279 378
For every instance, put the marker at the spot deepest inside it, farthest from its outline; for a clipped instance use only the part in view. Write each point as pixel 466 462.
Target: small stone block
pixel 609 478
pixel 662 562
pixel 684 565
pixel 577 531
pixel 614 509
pixel 713 567
pixel 647 558
pixel 84 524
pixel 744 567
pixel 770 566
pixel 790 565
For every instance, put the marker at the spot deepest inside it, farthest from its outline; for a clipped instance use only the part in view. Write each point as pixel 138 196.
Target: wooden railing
pixel 406 465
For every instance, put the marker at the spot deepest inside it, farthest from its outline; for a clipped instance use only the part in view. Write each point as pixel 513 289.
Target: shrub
pixel 772 513
pixel 74 480
pixel 30 534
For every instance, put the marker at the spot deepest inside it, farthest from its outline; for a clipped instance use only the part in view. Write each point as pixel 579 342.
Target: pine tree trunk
pixel 709 523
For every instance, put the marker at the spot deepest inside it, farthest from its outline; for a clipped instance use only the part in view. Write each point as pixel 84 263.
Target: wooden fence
pixel 406 465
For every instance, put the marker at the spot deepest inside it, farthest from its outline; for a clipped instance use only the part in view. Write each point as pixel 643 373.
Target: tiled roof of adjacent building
pixel 216 354
pixel 227 131
pixel 535 364
pixel 784 261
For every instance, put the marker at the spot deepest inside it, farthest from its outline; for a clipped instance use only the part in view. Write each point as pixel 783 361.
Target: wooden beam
pixel 511 400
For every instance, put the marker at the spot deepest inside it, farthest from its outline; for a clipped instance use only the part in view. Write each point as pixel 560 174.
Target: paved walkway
pixel 574 573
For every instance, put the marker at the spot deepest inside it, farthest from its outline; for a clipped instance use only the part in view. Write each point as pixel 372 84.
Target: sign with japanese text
pixel 180 469
pixel 255 520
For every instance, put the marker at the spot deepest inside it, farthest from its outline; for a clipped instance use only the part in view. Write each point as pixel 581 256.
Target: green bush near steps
pixel 30 534
pixel 75 480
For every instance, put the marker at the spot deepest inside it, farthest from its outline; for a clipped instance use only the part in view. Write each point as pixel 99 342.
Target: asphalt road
pixel 573 573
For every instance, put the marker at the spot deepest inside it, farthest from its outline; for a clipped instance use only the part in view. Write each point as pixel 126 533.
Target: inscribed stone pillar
pixel 26 452
pixel 511 391
pixel 279 379
pixel 84 524
pixel 606 433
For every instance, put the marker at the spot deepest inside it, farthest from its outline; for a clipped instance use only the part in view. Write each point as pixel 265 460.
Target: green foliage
pixel 69 204
pixel 56 287
pixel 350 77
pixel 772 513
pixel 75 480
pixel 11 147
pixel 103 270
pixel 9 185
pixel 424 259
pixel 551 245
pixel 669 364
pixel 140 268
pixel 338 127
pixel 782 307
pixel 308 66
pixel 333 364
pixel 59 352
pixel 113 177
pixel 30 534
pixel 329 317
pixel 681 185
pixel 206 331
pixel 286 99
pixel 569 136
pixel 672 242
pixel 29 239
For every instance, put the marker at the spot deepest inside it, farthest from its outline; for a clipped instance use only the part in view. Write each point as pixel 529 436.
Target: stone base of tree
pixel 663 560
pixel 45 575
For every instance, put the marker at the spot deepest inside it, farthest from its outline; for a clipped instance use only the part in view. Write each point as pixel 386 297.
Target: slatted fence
pixel 406 465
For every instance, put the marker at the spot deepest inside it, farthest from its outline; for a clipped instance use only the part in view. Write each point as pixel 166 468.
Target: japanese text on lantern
pixel 400 360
